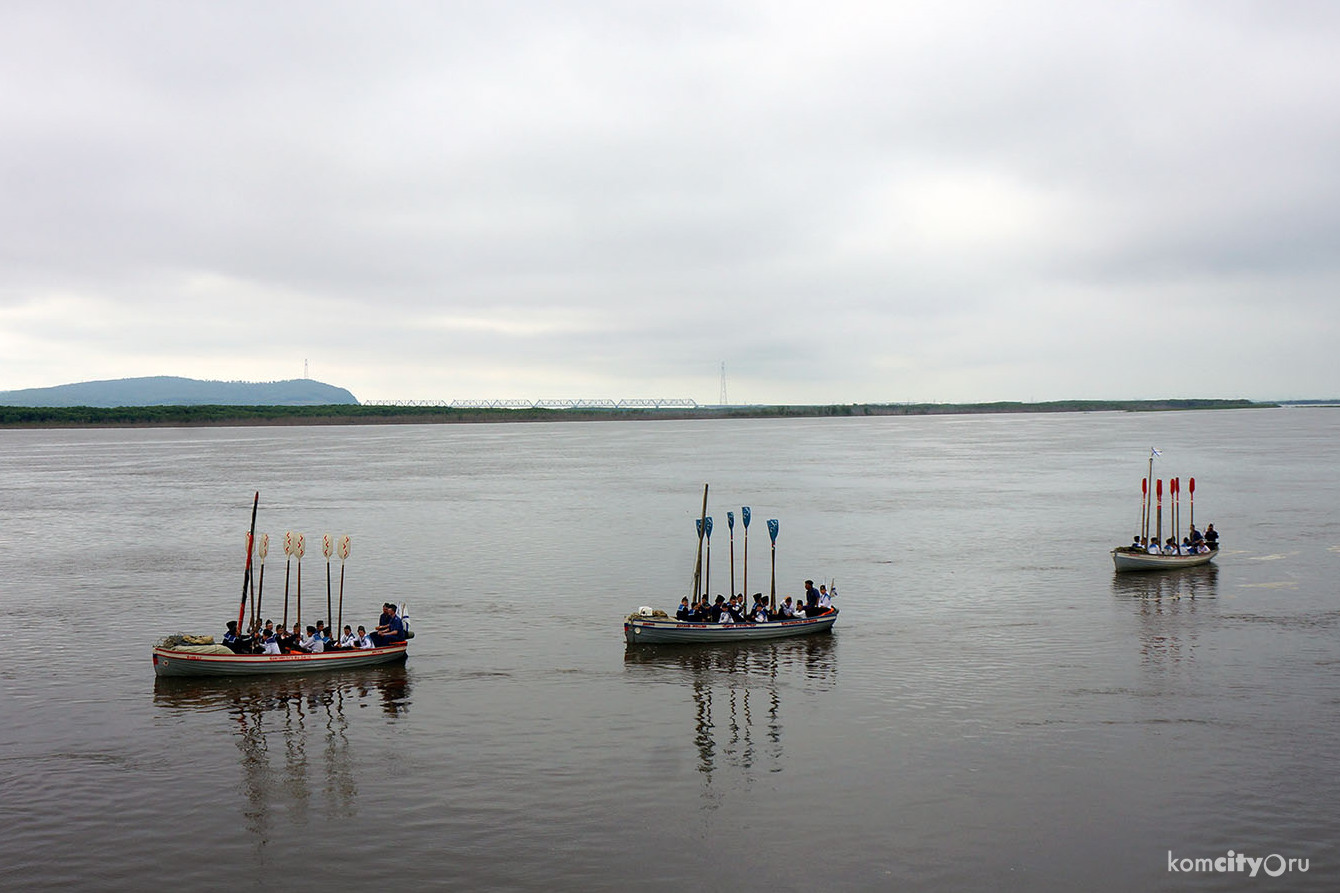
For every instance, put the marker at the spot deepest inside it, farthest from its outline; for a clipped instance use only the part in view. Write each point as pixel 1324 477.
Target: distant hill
pixel 167 390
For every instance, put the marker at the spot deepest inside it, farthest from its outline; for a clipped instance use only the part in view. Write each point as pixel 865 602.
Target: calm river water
pixel 994 710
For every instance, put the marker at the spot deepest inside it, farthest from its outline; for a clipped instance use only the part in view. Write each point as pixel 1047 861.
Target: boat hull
pixel 649 631
pixel 183 662
pixel 1142 561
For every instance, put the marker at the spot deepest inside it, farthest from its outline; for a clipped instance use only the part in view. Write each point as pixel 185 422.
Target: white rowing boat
pixel 210 660
pixel 639 629
pixel 1126 560
pixel 1137 558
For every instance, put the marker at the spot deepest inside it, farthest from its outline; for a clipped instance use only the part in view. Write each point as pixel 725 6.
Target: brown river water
pixel 995 709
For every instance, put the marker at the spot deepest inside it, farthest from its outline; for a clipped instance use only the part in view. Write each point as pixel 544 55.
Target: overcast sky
pixel 843 202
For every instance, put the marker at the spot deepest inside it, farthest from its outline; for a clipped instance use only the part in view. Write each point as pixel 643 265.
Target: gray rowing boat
pixel 640 629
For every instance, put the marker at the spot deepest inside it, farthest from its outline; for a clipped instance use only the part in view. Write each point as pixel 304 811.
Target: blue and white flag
pixel 1155 451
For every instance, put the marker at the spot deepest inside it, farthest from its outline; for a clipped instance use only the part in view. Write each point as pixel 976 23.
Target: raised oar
pixel 1144 488
pixel 707 574
pixel 1158 531
pixel 697 576
pixel 730 523
pixel 744 518
pixel 328 549
pixel 1175 491
pixel 344 553
pixel 262 549
pixel 299 546
pixel 288 565
pixel 698 565
pixel 246 577
pixel 1191 488
pixel 773 527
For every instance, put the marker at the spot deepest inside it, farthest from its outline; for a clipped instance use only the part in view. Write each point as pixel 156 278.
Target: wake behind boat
pixel 1155 554
pixel 703 622
pixel 263 650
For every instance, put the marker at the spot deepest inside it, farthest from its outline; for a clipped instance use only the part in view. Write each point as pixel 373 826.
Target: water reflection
pixel 293 735
pixel 1190 583
pixel 1166 609
pixel 737 694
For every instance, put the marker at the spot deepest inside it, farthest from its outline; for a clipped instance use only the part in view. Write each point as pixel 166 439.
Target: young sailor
pixel 363 640
pixel 348 640
pixel 269 641
pixel 684 612
pixel 291 643
pixel 235 643
pixel 312 642
pixel 825 600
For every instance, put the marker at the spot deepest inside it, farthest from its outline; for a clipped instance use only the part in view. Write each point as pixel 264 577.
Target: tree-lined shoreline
pixel 344 414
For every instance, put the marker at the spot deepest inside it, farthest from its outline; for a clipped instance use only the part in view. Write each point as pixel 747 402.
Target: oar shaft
pixel 698 565
pixel 246 577
pixel 341 621
pixel 260 594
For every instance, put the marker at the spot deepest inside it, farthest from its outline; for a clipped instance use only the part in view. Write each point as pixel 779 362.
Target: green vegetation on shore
pixel 344 414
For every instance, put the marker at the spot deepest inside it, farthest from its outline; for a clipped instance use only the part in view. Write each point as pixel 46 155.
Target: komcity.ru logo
pixel 1273 865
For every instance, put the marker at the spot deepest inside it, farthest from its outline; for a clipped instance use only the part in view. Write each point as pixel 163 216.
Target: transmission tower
pixel 724 401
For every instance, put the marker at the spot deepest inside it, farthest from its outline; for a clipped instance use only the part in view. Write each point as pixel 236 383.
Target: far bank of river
pixel 353 414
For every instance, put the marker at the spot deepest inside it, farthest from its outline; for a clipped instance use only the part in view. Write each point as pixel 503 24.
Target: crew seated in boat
pixel 1212 537
pixel 787 611
pixel 235 643
pixel 291 643
pixel 324 634
pixel 684 612
pixel 312 643
pixel 1153 548
pixel 269 639
pixel 392 630
pixel 811 598
pixel 348 640
pixel 363 640
pixel 825 599
pixel 1196 536
pixel 701 612
pixel 761 614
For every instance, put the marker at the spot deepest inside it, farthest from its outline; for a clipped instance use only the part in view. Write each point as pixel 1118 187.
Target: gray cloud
pixel 844 202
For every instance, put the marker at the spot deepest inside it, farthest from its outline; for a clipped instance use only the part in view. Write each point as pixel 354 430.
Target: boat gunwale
pixel 1136 561
pixel 692 632
pixel 265 659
